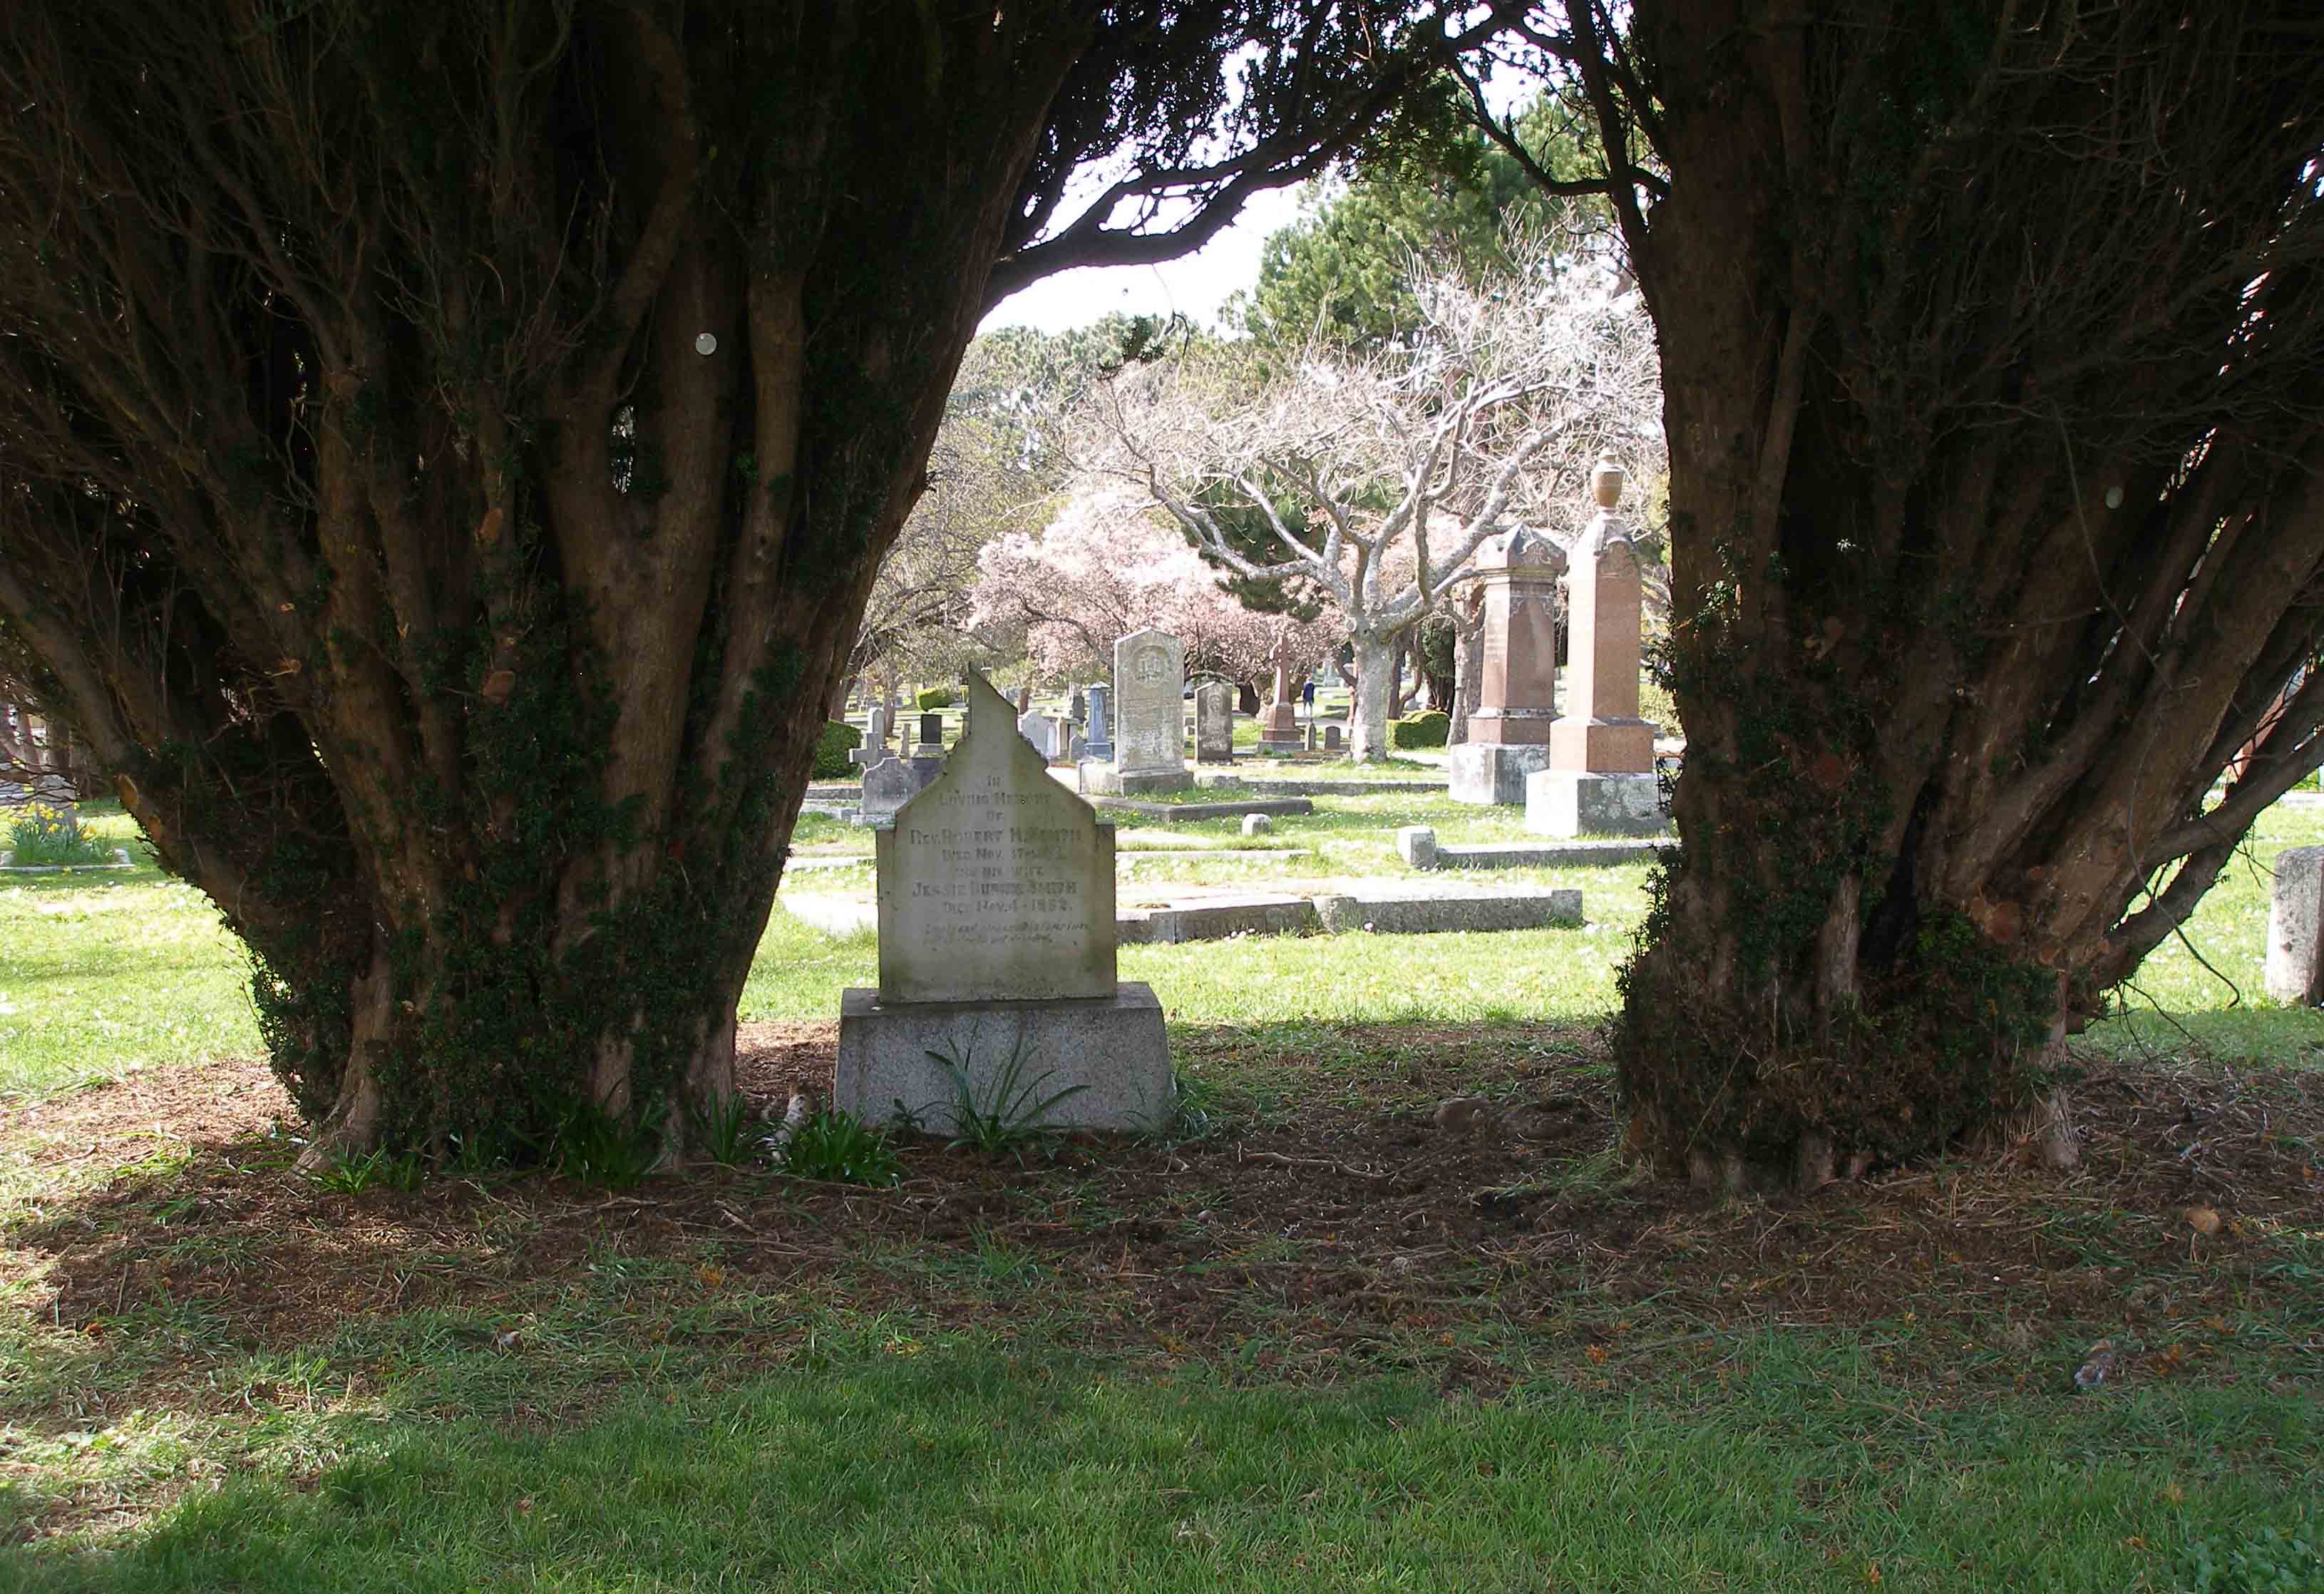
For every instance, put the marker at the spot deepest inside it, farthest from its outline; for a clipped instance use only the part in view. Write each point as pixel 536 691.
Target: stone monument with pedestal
pixel 1600 778
pixel 1509 731
pixel 997 972
pixel 1149 675
pixel 1278 727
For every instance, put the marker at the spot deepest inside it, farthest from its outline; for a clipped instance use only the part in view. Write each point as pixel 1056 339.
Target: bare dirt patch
pixel 1321 1223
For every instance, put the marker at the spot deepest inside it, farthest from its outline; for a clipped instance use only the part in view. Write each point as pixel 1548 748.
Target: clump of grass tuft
pixel 837 1147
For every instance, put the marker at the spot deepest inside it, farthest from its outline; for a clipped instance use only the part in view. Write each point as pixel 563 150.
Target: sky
pixel 1194 285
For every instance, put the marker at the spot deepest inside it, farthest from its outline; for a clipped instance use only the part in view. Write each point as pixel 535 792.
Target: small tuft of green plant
pixel 1009 1112
pixel 1191 1114
pixel 724 1132
pixel 597 1147
pixel 351 1175
pixel 41 833
pixel 837 1145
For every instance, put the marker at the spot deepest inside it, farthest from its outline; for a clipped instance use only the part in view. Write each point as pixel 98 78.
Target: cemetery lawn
pixel 1302 1339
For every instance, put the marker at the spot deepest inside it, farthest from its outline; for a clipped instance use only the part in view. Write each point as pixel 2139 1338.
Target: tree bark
pixel 1988 549
pixel 1368 713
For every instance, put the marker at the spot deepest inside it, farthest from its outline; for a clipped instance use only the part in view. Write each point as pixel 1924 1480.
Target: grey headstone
pixel 996 883
pixel 1331 738
pixel 1257 824
pixel 1214 722
pixel 893 782
pixel 1417 845
pixel 1100 723
pixel 1149 673
pixel 2295 927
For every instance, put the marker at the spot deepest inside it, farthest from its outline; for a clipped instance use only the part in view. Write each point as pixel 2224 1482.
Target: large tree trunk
pixel 1981 572
pixel 470 647
pixel 1368 711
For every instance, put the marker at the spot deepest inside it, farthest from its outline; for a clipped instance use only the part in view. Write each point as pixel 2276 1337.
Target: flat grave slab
pixel 1187 813
pixel 1316 786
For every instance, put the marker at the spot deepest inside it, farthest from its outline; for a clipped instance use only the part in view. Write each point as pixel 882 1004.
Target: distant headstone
pixel 1214 722
pixel 891 782
pixel 931 742
pixel 1279 730
pixel 1035 729
pixel 1149 673
pixel 1331 738
pixel 1100 722
pixel 1257 824
pixel 1600 778
pixel 1079 710
pixel 875 727
pixel 997 969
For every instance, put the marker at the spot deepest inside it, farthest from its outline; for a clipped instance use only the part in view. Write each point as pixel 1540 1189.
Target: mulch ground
pixel 1325 1226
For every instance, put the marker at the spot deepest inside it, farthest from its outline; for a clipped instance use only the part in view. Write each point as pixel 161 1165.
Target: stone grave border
pixel 8 864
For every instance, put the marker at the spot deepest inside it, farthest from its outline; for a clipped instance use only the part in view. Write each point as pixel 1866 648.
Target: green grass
pixel 892 1458
pixel 106 971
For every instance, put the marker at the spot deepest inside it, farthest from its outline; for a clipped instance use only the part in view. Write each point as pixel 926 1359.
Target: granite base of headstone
pixel 1100 778
pixel 1568 801
pixel 997 965
pixel 1493 773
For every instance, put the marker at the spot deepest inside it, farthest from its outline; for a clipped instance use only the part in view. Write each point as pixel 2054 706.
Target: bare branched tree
pixel 1376 480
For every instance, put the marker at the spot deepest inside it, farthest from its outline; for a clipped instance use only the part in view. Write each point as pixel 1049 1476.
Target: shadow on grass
pixel 964 1466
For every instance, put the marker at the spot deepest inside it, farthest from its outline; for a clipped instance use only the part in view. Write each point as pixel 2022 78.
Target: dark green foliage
pixel 831 749
pixel 1342 274
pixel 722 1132
pixel 1429 728
pixel 599 1148
pixel 834 1145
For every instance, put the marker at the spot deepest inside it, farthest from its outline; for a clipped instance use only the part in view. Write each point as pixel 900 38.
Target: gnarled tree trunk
pixel 1996 528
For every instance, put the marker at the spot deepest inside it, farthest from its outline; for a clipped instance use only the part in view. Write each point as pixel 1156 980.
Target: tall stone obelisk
pixel 1600 778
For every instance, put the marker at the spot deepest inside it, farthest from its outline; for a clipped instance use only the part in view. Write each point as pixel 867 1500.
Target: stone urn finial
pixel 1606 481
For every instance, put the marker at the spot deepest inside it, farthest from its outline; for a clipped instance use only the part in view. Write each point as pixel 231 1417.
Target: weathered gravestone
pixel 1149 729
pixel 2295 927
pixel 874 748
pixel 1330 739
pixel 1509 732
pixel 1099 743
pixel 931 742
pixel 1214 722
pixel 997 972
pixel 891 782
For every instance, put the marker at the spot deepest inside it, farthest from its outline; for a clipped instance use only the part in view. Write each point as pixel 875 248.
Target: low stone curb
pixel 1317 788
pixel 8 864
pixel 1417 845
pixel 1187 813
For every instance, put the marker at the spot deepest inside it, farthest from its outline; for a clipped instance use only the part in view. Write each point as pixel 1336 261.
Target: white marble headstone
pixel 996 883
